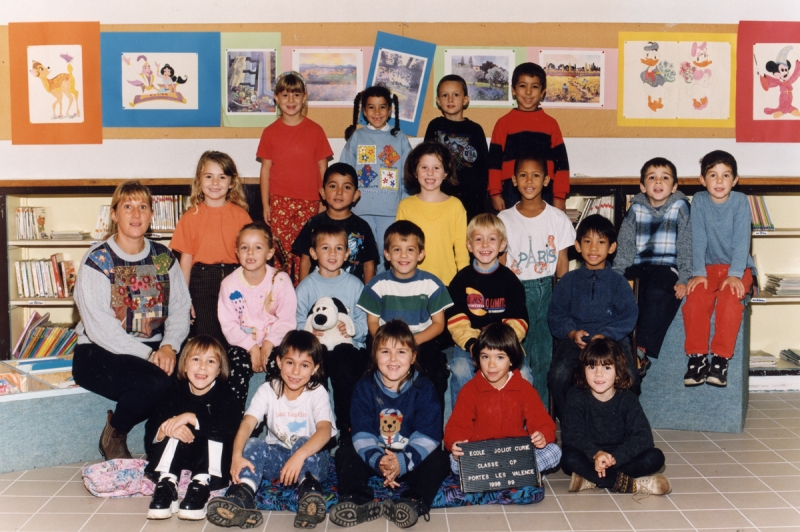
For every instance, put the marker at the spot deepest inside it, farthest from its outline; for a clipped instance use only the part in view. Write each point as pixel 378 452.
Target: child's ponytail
pixel 356 110
pixel 396 104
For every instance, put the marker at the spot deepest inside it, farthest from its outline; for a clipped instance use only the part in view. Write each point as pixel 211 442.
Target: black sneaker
pixel 697 372
pixel 352 511
pixel 236 508
pixel 193 505
pixel 165 500
pixel 310 503
pixel 405 512
pixel 718 372
pixel 643 364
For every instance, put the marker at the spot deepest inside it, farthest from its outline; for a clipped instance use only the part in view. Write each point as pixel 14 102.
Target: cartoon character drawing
pixel 780 70
pixel 391 420
pixel 655 76
pixel 171 81
pixel 355 243
pixel 367 175
pixel 237 299
pixel 550 247
pixel 58 86
pixel 463 153
pixel 287 439
pixel 389 156
pixel 146 75
pixel 697 75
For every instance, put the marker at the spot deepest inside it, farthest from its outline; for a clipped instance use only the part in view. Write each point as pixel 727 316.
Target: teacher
pixel 134 308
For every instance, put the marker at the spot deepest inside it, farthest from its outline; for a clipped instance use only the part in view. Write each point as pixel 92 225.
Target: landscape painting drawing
pixel 55 84
pixel 159 81
pixel 776 69
pixel 574 78
pixel 251 82
pixel 401 73
pixel 333 77
pixel 487 73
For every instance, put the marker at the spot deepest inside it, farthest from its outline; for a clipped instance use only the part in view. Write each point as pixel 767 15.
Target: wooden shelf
pixel 769 299
pixel 42 302
pixel 777 233
pixel 51 243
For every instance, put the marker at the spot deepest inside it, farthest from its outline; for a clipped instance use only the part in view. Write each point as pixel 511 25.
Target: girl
pixel 607 440
pixel 257 303
pixel 397 434
pixel 294 155
pixel 192 429
pixel 430 175
pixel 206 236
pixel 499 403
pixel 378 154
pixel 299 425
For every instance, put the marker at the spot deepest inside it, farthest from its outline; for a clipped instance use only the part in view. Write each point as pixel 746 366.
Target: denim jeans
pixel 462 370
pixel 538 343
pixel 270 459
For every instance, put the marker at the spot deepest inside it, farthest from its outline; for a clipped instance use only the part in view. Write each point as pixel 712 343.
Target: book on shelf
pixel 32 223
pixel 34 321
pixel 53 277
pixel 103 222
pixel 49 340
pixel 791 355
pixel 68 275
pixel 167 210
pixel 759 214
pixel 55 273
pixel 69 235
pixel 604 206
pixel 782 284
pixel 762 359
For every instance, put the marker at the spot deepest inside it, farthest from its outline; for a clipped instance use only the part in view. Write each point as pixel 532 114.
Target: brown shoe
pixel 113 443
pixel 579 483
pixel 653 485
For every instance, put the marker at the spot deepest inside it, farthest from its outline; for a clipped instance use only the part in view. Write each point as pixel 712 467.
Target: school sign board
pixel 493 465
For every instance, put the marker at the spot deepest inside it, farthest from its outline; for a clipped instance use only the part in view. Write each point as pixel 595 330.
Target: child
pixel 538 238
pixel 412 295
pixel 466 141
pixel 397 434
pixel 721 270
pixel 429 173
pixel 591 302
pixel 607 442
pixel 294 154
pixel 378 153
pixel 483 293
pixel 499 404
pixel 257 303
pixel 524 129
pixel 192 429
pixel 655 246
pixel 299 423
pixel 206 236
pixel 346 363
pixel 339 192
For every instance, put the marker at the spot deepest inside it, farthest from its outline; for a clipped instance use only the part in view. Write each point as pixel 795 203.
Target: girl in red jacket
pixel 498 403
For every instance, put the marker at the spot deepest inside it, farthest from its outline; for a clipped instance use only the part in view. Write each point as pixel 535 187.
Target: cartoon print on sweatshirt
pixel 391 422
pixel 367 175
pixel 238 305
pixel 355 243
pixel 389 156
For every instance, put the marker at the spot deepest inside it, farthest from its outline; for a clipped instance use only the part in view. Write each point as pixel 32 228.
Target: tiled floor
pixel 724 482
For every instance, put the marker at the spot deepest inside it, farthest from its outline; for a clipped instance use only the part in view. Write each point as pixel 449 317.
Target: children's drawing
pixel 697 74
pixel 251 81
pixel 159 80
pixel 333 77
pixel 776 66
pixel 575 78
pixel 55 83
pixel 656 74
pixel 486 71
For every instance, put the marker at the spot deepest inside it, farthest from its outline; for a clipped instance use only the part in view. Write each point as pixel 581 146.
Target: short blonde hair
pixel 125 191
pixel 203 344
pixel 487 221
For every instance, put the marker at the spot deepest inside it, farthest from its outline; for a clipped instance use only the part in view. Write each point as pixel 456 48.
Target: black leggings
pixel 204 284
pixel 646 463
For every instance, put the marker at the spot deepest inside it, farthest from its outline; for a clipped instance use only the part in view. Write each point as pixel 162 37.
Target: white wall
pixel 591 157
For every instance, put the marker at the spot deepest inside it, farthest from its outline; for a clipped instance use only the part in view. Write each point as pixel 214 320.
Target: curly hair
pixel 442 152
pixel 603 352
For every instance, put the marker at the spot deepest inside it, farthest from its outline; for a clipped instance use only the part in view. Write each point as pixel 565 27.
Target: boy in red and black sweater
pixel 524 129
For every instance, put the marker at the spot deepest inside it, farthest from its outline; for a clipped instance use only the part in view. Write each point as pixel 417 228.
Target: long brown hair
pixel 603 352
pixel 235 194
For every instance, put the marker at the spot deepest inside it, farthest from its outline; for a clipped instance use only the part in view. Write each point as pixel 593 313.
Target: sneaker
pixel 165 500
pixel 236 508
pixel 405 512
pixel 351 511
pixel 718 372
pixel 193 505
pixel 310 503
pixel 579 483
pixel 653 485
pixel 643 364
pixel 697 372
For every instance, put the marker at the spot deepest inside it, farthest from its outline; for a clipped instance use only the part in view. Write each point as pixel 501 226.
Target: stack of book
pixel 69 235
pixel 791 355
pixel 573 215
pixel 603 206
pixel 759 214
pixel 762 359
pixel 40 339
pixel 166 212
pixel 45 278
pixel 31 223
pixel 785 285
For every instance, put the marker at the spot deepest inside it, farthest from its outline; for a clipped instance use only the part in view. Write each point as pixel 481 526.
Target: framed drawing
pixel 249 66
pixel 768 70
pixel 575 78
pixel 333 75
pixel 487 72
pixel 160 79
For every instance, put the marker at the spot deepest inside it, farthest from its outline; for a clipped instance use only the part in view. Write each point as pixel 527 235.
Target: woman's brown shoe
pixel 113 443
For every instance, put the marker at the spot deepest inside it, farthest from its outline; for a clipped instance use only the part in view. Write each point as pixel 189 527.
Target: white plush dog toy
pixel 324 316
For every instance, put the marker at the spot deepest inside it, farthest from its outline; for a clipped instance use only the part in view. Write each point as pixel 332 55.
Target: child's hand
pixel 680 291
pixel 176 427
pixel 257 362
pixel 735 284
pixel 267 214
pixel 602 461
pixel 291 470
pixel 577 337
pixel 389 467
pixel 497 203
pixel 343 329
pixel 538 441
pixel 456 450
pixel 238 463
pixel 694 282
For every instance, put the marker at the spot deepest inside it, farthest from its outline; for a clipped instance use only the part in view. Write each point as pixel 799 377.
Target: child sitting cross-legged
pixel 498 403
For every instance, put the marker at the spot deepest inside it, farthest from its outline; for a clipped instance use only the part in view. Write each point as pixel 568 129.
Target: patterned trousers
pixel 289 215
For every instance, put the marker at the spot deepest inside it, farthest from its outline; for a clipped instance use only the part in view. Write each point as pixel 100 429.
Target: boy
pixel 339 192
pixel 538 238
pixel 591 302
pixel 483 293
pixel 466 141
pixel 346 363
pixel 721 269
pixel 409 294
pixel 655 246
pixel 524 129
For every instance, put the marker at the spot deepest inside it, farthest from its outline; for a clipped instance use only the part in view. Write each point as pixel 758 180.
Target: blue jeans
pixel 538 344
pixel 462 370
pixel 270 459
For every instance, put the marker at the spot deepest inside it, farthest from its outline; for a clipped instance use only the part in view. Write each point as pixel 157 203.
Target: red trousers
pixel 289 215
pixel 700 305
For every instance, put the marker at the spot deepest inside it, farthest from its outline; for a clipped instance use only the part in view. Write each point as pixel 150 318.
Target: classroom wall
pixel 596 157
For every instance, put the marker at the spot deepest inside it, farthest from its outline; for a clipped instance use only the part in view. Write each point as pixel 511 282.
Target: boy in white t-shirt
pixel 538 238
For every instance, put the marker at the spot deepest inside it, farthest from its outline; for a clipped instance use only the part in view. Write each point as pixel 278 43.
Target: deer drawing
pixel 59 86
